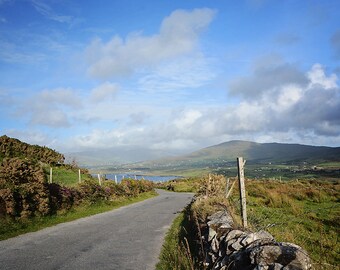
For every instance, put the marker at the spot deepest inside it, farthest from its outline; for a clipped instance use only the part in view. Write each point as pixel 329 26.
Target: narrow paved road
pixel 127 238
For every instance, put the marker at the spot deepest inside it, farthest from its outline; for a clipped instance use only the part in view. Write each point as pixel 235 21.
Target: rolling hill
pixel 254 153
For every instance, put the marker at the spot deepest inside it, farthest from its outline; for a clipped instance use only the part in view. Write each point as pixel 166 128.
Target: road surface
pixel 126 238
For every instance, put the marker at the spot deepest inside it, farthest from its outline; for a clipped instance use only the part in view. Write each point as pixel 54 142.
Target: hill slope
pixel 14 148
pixel 267 152
pixel 255 153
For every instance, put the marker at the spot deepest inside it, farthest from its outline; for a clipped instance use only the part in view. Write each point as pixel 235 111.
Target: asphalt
pixel 130 237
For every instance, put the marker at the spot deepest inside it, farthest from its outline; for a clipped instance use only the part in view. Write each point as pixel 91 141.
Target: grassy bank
pixel 179 245
pixel 190 184
pixel 302 212
pixel 66 175
pixel 10 228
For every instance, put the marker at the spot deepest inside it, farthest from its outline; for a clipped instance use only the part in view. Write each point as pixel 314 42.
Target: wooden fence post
pixel 240 167
pixel 208 187
pixel 99 179
pixel 116 179
pixel 227 187
pixel 51 175
pixel 79 176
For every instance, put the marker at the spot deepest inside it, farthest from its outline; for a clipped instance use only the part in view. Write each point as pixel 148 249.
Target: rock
pixel 276 266
pixel 233 234
pixel 212 234
pixel 231 249
pixel 290 256
pixel 237 244
pixel 215 245
pixel 251 237
pixel 221 219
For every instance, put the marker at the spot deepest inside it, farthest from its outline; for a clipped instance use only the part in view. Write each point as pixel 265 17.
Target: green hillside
pixel 14 148
pixel 263 160
pixel 267 152
pixel 257 153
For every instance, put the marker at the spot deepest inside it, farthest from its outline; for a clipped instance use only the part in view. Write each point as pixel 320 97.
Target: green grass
pixel 181 185
pixel 10 228
pixel 305 213
pixel 65 176
pixel 177 250
pixel 329 165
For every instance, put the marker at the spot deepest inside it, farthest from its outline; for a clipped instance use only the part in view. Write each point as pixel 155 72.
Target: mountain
pixel 267 152
pixel 254 153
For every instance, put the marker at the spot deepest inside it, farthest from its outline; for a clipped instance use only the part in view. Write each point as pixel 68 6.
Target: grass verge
pixel 10 228
pixel 302 212
pixel 180 248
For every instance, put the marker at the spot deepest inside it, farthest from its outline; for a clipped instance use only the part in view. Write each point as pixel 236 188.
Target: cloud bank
pixel 300 107
pixel 177 36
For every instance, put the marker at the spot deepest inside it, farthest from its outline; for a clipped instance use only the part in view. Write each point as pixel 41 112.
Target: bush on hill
pixel 11 148
pixel 24 191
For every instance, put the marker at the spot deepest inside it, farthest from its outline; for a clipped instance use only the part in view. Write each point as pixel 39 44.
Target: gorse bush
pixel 24 191
pixel 212 185
pixel 11 148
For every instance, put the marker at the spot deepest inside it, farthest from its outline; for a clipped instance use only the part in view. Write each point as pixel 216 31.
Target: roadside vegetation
pixel 304 212
pixel 177 253
pixel 28 202
pixel 11 227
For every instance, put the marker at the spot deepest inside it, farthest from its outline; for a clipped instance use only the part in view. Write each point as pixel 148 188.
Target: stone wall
pixel 233 249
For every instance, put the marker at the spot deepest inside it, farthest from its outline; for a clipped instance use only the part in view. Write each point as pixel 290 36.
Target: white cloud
pixel 31 136
pixel 293 113
pixel 104 92
pixel 269 75
pixel 317 76
pixel 177 36
pixel 288 96
pixel 50 107
pixel 10 52
pixel 184 73
pixel 187 119
pixel 49 13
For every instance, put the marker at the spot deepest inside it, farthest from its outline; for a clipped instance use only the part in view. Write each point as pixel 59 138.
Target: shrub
pixel 22 188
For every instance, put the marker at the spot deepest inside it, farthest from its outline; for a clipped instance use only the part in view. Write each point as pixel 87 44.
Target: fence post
pixel 240 167
pixel 51 175
pixel 116 179
pixel 227 187
pixel 99 179
pixel 79 176
pixel 208 188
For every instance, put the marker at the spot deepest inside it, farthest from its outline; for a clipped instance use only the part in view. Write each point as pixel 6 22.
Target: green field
pixel 304 212
pixel 66 175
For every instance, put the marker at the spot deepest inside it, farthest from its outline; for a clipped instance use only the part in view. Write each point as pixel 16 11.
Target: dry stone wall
pixel 233 249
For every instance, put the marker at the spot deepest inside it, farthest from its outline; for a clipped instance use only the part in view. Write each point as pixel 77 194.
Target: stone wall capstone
pixel 234 249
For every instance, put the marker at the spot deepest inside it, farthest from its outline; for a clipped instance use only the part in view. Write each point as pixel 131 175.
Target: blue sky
pixel 169 75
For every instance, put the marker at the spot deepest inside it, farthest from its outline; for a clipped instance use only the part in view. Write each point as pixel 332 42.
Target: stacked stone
pixel 233 249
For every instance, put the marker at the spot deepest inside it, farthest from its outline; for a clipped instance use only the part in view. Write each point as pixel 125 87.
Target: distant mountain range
pixel 265 152
pixel 256 153
pixel 253 152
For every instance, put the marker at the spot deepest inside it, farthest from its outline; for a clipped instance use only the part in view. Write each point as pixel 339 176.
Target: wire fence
pixel 306 213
